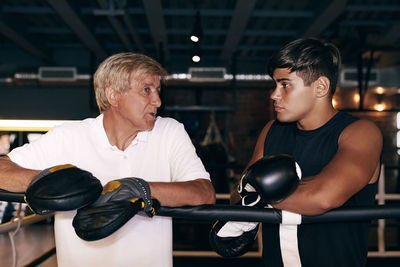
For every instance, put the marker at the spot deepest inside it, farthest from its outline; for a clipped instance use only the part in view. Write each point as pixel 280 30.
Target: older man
pixel 127 139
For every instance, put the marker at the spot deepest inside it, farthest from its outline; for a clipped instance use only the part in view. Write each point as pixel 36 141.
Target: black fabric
pixel 62 188
pixel 325 244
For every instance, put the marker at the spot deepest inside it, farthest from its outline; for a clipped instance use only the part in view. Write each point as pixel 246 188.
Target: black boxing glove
pixel 62 188
pixel 233 239
pixel 120 200
pixel 274 177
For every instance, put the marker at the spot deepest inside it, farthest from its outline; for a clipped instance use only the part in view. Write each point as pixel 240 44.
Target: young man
pixel 339 156
pixel 126 140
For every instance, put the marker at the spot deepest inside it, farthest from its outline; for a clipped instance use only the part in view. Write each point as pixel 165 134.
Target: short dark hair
pixel 310 58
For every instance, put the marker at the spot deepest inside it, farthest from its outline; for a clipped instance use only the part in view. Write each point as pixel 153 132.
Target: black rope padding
pixel 273 216
pixel 11 196
pixel 254 214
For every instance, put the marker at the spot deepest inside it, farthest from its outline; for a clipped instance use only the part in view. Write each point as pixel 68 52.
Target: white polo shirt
pixel 164 154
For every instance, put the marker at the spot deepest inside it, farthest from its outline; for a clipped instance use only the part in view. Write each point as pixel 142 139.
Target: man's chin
pixel 282 118
pixel 150 125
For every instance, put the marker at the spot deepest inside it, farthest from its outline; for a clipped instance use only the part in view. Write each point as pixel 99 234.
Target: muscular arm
pixel 355 164
pixel 196 192
pixel 13 177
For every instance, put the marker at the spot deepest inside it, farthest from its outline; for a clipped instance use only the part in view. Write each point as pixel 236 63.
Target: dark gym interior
pixel 50 49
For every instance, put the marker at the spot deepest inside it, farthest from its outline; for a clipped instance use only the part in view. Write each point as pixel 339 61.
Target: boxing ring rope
pixel 267 215
pixel 236 213
pixel 212 212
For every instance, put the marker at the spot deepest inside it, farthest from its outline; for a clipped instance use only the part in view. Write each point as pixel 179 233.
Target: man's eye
pixel 146 89
pixel 285 85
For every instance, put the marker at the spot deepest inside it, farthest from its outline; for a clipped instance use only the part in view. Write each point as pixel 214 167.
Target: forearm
pixel 13 177
pixel 196 192
pixel 306 200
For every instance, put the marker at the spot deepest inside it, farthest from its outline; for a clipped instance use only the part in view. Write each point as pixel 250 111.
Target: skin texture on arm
pixel 356 163
pixel 196 192
pixel 13 177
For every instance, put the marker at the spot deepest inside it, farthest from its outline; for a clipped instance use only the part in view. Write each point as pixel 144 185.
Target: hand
pixel 119 202
pixel 126 189
pixel 273 177
pixel 62 188
pixel 269 180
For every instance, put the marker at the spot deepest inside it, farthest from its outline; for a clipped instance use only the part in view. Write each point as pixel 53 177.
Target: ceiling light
pixel 380 90
pixel 196 58
pixel 197 32
pixel 194 38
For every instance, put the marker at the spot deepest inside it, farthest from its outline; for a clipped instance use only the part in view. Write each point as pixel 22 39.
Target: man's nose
pixel 275 95
pixel 155 99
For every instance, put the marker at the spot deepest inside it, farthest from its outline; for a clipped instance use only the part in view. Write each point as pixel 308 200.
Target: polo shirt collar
pixel 100 133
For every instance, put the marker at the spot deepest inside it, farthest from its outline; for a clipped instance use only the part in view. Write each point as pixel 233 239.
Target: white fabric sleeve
pixel 185 163
pixel 41 153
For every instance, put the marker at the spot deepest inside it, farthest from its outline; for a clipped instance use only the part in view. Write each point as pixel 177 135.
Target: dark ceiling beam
pixel 241 15
pixel 132 31
pixel 276 13
pixel 367 23
pixel 373 8
pixel 117 26
pixel 166 12
pixel 171 31
pixel 392 35
pixel 12 35
pixel 270 33
pixel 70 18
pixel 155 19
pixel 325 18
pixel 27 10
pixel 387 41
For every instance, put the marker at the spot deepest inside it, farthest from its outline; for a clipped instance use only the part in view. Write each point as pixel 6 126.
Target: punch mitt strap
pixel 126 189
pixel 62 188
pixel 119 201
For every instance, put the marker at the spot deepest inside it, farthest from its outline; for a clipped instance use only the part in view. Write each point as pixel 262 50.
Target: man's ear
pixel 111 96
pixel 322 86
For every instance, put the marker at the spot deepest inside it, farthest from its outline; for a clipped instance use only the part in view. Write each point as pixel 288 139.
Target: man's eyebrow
pixel 283 79
pixel 151 84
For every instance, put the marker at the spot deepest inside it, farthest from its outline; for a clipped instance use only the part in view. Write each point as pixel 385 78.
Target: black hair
pixel 310 58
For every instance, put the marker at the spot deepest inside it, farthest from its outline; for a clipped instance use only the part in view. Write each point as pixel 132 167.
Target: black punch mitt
pixel 62 188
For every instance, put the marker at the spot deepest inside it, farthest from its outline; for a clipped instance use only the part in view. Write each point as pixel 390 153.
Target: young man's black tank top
pixel 325 244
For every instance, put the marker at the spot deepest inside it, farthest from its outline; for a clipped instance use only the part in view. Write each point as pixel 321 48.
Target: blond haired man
pixel 127 139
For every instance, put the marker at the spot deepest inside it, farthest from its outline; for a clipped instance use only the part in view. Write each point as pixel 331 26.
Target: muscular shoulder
pixel 361 131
